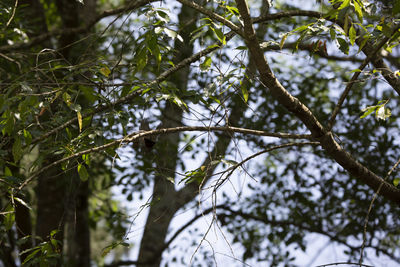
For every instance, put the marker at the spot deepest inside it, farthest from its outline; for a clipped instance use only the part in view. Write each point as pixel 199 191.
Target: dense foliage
pixel 273 120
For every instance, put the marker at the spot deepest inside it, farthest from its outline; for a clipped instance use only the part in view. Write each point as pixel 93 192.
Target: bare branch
pixel 137 135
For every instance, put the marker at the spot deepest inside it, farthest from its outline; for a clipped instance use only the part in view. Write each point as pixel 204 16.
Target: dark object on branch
pixel 147 141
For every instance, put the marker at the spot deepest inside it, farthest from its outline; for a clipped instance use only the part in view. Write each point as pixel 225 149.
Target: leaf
pixel 17 149
pixel 172 34
pixel 358 10
pixel 75 107
pixel 79 115
pixel 282 42
pixel 363 42
pixel 23 203
pixel 396 8
pixel 28 137
pixel 205 66
pixel 345 3
pixel 396 181
pixel 220 35
pixel 368 111
pixel 332 33
pixel 83 174
pixel 343 45
pixel 352 35
pixel 105 71
pixel 9 218
pixel 67 99
pixel 245 93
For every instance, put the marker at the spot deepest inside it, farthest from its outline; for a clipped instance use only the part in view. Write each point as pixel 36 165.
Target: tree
pixel 96 95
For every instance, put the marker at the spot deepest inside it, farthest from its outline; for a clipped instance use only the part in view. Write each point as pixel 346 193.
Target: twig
pixel 13 13
pixel 370 209
pixel 354 78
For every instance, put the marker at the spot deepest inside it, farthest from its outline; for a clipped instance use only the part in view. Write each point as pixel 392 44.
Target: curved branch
pixel 233 168
pixel 130 96
pixel 212 15
pixel 355 77
pixel 137 135
pixel 296 107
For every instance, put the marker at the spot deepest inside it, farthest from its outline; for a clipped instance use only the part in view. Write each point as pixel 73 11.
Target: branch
pixel 233 168
pixel 355 77
pixel 130 96
pixel 305 115
pixel 288 14
pixel 137 135
pixel 306 47
pixel 212 15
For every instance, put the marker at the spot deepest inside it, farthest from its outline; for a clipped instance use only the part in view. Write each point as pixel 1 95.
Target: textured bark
pixel 78 234
pixel 50 194
pixel 171 201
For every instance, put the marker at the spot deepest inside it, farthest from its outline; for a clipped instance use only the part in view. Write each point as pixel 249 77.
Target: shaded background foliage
pixel 101 76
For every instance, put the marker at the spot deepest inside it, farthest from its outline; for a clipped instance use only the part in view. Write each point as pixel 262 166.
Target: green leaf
pixel 283 40
pixel 67 99
pixel 79 116
pixel 83 174
pixel 28 137
pixel 343 45
pixel 352 35
pixel 9 218
pixel 358 10
pixel 75 107
pixel 368 111
pixel 396 8
pixel 220 35
pixel 245 93
pixel 31 255
pixel 105 71
pixel 205 66
pixel 17 149
pixel 396 181
pixel 363 42
pixel 345 3
pixel 332 33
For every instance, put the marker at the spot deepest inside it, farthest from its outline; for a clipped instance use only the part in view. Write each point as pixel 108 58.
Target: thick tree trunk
pixel 163 205
pixel 168 200
pixel 50 193
pixel 78 234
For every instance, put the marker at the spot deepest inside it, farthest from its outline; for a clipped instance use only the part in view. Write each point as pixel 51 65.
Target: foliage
pixel 76 87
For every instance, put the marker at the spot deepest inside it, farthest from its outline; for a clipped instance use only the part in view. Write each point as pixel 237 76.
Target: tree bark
pixel 163 205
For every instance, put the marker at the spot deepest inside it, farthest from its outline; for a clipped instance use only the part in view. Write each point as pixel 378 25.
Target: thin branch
pixel 288 14
pixel 233 168
pixel 370 209
pixel 296 107
pixel 343 263
pixel 130 96
pixel 307 47
pixel 137 135
pixel 212 15
pixel 355 77
pixel 13 13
